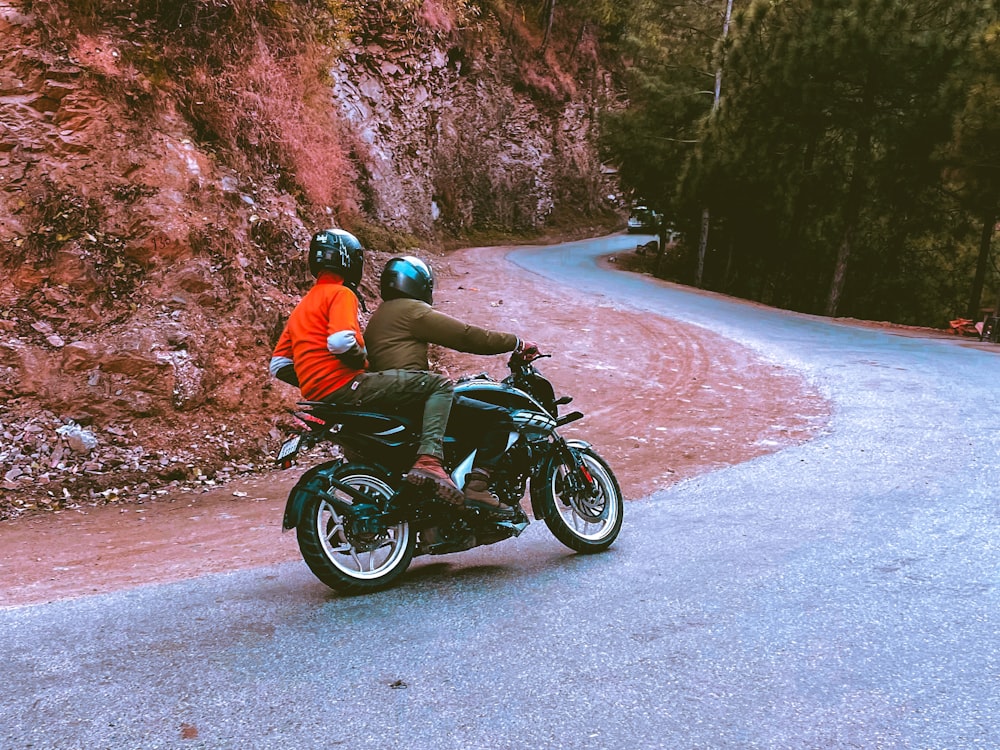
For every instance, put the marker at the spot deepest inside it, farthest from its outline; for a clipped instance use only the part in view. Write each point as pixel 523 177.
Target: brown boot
pixel 477 495
pixel 428 470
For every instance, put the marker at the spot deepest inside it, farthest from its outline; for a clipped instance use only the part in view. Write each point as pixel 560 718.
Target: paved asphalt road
pixel 840 594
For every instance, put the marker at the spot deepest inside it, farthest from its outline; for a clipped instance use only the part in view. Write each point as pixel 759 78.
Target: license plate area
pixel 288 449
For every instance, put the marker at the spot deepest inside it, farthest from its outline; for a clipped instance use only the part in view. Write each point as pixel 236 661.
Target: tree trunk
pixel 548 25
pixel 800 202
pixel 705 216
pixel 985 240
pixel 727 279
pixel 661 248
pixel 702 247
pixel 852 207
pixel 840 268
pixel 579 38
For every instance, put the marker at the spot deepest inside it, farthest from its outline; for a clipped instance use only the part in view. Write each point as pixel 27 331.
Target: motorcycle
pixel 359 524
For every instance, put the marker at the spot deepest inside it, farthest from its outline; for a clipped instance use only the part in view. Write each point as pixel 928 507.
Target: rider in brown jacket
pixel 397 337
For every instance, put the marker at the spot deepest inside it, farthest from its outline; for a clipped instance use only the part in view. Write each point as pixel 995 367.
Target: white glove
pixel 341 341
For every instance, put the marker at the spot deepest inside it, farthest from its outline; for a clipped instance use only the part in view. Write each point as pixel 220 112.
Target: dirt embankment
pixel 663 401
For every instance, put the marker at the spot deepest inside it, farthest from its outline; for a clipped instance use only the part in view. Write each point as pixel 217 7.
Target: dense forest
pixel 839 157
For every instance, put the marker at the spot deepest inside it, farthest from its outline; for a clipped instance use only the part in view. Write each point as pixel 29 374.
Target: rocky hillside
pixel 163 164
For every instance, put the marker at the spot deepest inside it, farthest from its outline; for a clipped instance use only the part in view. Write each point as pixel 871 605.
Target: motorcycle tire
pixel 584 524
pixel 346 560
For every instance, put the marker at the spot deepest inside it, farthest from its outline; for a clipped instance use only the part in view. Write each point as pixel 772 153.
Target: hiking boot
pixel 429 471
pixel 477 495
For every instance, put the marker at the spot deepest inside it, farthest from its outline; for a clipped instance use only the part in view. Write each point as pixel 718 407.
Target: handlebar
pixel 520 360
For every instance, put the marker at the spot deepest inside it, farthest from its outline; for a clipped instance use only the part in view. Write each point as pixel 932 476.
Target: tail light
pixel 307 420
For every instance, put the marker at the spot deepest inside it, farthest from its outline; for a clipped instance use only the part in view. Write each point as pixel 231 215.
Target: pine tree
pixel 975 151
pixel 827 103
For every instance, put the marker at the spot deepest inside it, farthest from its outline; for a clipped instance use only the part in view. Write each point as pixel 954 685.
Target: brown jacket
pixel 400 330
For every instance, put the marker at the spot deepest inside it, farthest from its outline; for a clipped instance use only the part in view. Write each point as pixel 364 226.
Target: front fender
pixel 537 506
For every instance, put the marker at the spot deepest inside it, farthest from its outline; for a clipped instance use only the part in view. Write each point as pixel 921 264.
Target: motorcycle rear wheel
pixel 347 562
pixel 583 522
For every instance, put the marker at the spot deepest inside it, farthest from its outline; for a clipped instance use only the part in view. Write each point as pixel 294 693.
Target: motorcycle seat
pixel 334 413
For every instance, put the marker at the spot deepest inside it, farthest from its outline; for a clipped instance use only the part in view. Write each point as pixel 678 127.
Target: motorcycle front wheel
pixel 584 515
pixel 345 553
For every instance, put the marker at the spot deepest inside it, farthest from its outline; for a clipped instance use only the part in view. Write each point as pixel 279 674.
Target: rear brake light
pixel 306 417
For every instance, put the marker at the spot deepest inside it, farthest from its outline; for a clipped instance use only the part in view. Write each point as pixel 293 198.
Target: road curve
pixel 838 594
pixel 862 610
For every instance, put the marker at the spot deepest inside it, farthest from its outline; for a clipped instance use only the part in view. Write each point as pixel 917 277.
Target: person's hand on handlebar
pixel 525 352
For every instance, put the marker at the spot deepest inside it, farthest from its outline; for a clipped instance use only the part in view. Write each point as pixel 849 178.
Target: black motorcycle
pixel 359 524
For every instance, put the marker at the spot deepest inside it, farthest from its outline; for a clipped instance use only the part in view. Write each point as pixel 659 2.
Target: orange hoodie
pixel 327 308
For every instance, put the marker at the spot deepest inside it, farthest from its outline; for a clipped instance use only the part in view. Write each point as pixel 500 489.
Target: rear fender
pixel 310 484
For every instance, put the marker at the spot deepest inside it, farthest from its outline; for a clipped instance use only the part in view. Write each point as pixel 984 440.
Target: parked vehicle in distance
pixel 643 219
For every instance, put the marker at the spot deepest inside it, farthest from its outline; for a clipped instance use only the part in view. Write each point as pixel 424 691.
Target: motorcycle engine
pixel 442 540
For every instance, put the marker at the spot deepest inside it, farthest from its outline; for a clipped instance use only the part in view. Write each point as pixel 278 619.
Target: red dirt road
pixel 664 401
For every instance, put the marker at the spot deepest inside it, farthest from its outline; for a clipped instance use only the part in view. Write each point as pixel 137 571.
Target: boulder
pixel 80 355
pixel 72 268
pixel 147 368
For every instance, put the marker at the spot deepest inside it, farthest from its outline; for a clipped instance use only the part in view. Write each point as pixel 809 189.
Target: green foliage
pixel 823 165
pixel 975 151
pixel 670 95
pixel 974 155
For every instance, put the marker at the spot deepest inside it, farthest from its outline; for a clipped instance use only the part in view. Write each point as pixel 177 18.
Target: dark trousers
pixel 398 390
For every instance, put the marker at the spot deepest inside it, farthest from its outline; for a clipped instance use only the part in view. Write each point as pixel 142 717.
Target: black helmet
pixel 338 251
pixel 407 277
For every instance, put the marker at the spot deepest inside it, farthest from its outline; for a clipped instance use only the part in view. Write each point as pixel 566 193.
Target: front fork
pixel 579 483
pixel 578 476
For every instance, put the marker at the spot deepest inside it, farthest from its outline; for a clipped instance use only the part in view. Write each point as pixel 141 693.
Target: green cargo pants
pixel 390 390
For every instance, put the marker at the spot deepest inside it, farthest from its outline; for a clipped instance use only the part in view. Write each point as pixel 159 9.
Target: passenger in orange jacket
pixel 322 351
